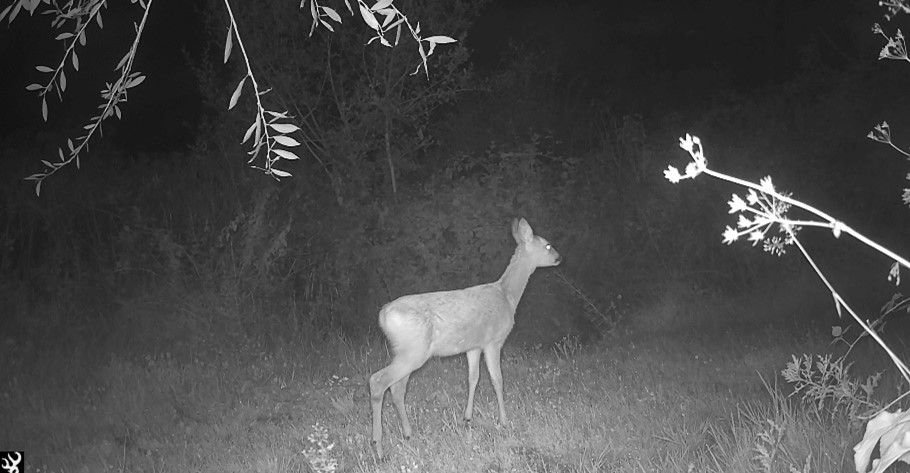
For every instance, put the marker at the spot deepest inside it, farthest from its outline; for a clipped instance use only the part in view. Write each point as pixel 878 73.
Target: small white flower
pixel 737 204
pixel 672 174
pixel 743 222
pixel 752 197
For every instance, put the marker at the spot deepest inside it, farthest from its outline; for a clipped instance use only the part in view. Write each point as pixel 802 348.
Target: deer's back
pixel 456 321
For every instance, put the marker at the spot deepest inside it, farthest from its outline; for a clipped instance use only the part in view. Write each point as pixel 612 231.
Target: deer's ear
pixel 521 231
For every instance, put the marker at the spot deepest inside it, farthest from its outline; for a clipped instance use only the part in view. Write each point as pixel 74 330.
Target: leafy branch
pixel 269 128
pixel 261 124
pixel 79 15
pixel 393 20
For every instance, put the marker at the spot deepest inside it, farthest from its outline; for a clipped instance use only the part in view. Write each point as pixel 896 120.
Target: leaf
pixel 346 3
pixel 889 432
pixel 249 131
pixel 440 39
pixel 895 275
pixel 368 18
pixel 286 141
pixel 381 4
pixel 332 14
pixel 313 14
pixel 38 188
pixel 279 172
pixel 82 37
pixel 33 87
pixel 44 108
pixel 44 69
pixel 63 36
pixel 423 54
pixel 69 143
pixel 327 25
pixel 236 95
pixel 75 61
pixel 286 154
pixel 96 8
pixel 6 10
pixel 62 81
pixel 284 128
pixel 133 82
pixel 15 11
pixel 228 44
pixel 389 16
pixel 98 18
pixel 254 152
pixel 123 60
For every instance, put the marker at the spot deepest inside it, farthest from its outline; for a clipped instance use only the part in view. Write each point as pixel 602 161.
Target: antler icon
pixel 10 465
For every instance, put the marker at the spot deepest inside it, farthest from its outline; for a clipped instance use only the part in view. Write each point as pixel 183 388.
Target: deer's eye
pixel 549 247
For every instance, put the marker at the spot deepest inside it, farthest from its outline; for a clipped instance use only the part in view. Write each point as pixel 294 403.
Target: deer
pixel 472 321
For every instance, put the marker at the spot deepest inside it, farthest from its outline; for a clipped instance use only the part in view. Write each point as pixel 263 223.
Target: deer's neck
pixel 515 278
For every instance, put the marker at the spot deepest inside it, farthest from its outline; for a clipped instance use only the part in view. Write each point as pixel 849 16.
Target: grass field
pixel 678 400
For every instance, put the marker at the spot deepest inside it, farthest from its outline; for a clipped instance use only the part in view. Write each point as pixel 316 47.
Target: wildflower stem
pixel 768 212
pixel 830 222
pixel 905 372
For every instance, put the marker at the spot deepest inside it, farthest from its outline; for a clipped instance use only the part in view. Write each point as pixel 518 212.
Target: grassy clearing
pixel 686 401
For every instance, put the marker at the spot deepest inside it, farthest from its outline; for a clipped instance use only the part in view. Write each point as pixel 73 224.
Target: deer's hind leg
pixel 411 346
pixel 398 391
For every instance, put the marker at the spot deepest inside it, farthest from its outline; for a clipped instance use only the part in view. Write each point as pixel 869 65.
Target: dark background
pixel 565 113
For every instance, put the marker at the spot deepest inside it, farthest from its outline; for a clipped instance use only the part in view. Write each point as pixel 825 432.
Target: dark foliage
pixel 193 246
